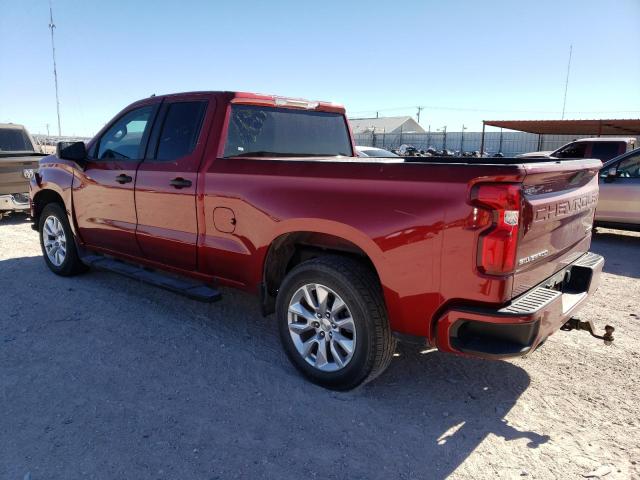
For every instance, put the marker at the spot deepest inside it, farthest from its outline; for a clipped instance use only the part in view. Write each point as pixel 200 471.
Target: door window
pixel 573 150
pixel 124 140
pixel 604 150
pixel 629 167
pixel 180 130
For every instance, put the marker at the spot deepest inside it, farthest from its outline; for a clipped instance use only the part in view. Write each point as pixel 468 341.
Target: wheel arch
pixel 294 247
pixel 42 198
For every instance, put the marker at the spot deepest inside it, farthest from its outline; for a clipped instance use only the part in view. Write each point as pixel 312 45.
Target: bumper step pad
pixel 531 302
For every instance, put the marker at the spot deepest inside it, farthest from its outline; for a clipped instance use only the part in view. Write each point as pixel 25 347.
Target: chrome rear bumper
pixel 14 202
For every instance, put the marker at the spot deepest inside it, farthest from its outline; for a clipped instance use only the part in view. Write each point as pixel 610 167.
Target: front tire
pixel 57 242
pixel 333 322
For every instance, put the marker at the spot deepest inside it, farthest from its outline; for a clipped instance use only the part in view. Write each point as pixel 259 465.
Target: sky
pixel 464 61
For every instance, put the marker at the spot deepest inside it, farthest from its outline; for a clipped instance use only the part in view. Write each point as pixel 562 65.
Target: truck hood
pixel 544 153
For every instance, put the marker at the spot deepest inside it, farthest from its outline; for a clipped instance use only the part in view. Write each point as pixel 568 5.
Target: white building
pixel 396 125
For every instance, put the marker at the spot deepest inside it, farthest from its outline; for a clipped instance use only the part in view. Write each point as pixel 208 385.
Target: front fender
pixel 54 179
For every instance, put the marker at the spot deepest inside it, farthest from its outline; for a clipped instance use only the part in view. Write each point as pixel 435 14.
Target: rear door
pixel 606 150
pixel 620 194
pixel 167 228
pixel 103 193
pixel 558 206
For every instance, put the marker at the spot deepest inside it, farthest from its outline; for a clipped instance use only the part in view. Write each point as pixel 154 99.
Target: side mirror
pixel 612 173
pixel 76 151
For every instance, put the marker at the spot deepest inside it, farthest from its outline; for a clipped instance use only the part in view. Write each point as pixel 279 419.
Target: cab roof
pixel 249 98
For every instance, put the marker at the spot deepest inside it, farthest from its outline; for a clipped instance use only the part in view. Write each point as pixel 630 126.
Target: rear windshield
pixel 14 140
pixel 281 132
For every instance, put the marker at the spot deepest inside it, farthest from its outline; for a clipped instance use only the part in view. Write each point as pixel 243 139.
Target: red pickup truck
pixel 265 194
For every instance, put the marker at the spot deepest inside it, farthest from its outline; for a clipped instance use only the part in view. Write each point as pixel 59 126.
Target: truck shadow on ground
pixel 163 383
pixel 15 219
pixel 620 250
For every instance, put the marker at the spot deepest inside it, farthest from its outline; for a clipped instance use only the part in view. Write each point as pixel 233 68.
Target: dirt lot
pixel 103 377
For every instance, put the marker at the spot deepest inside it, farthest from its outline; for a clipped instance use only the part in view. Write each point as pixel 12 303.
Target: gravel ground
pixel 104 377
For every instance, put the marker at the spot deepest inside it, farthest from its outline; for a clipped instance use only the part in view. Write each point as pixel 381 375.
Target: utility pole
pixel 566 83
pixel 462 139
pixel 55 72
pixel 444 137
pixel 419 110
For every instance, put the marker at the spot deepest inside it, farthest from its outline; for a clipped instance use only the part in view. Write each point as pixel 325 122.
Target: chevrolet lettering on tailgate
pixel 565 207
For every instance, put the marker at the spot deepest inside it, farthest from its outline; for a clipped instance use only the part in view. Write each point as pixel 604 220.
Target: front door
pixel 167 229
pixel 619 199
pixel 103 193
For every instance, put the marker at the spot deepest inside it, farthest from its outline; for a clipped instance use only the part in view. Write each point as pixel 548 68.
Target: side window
pixel 123 140
pixel 629 167
pixel 180 130
pixel 605 150
pixel 573 150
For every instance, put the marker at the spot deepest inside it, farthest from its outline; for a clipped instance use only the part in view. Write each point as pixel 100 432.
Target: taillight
pixel 497 245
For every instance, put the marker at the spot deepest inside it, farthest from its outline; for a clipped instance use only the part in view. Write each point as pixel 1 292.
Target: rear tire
pixel 57 242
pixel 354 316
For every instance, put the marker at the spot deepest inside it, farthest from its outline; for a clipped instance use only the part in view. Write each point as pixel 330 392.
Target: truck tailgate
pixel 559 201
pixel 12 179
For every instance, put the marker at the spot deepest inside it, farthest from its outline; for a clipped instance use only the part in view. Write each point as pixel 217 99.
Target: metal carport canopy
pixel 623 127
pixel 627 127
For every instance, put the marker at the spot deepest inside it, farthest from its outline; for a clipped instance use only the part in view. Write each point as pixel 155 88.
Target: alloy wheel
pixel 54 240
pixel 321 327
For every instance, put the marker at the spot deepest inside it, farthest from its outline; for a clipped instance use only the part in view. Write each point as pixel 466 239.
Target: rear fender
pixel 349 235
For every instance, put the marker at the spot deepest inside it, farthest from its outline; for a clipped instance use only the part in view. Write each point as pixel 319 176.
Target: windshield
pixel 282 132
pixel 14 140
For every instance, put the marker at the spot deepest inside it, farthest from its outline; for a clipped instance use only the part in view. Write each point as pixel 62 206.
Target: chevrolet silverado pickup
pixel 18 160
pixel 198 190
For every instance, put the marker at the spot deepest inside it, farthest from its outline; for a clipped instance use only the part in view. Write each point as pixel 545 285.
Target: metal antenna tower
pixel 55 71
pixel 566 83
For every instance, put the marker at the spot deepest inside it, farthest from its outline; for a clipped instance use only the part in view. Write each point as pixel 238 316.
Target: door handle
pixel 122 178
pixel 180 182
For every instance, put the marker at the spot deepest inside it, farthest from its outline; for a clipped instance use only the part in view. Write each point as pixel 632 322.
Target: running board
pixel 187 287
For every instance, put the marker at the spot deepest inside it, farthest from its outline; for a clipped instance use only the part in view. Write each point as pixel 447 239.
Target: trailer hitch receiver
pixel 577 324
